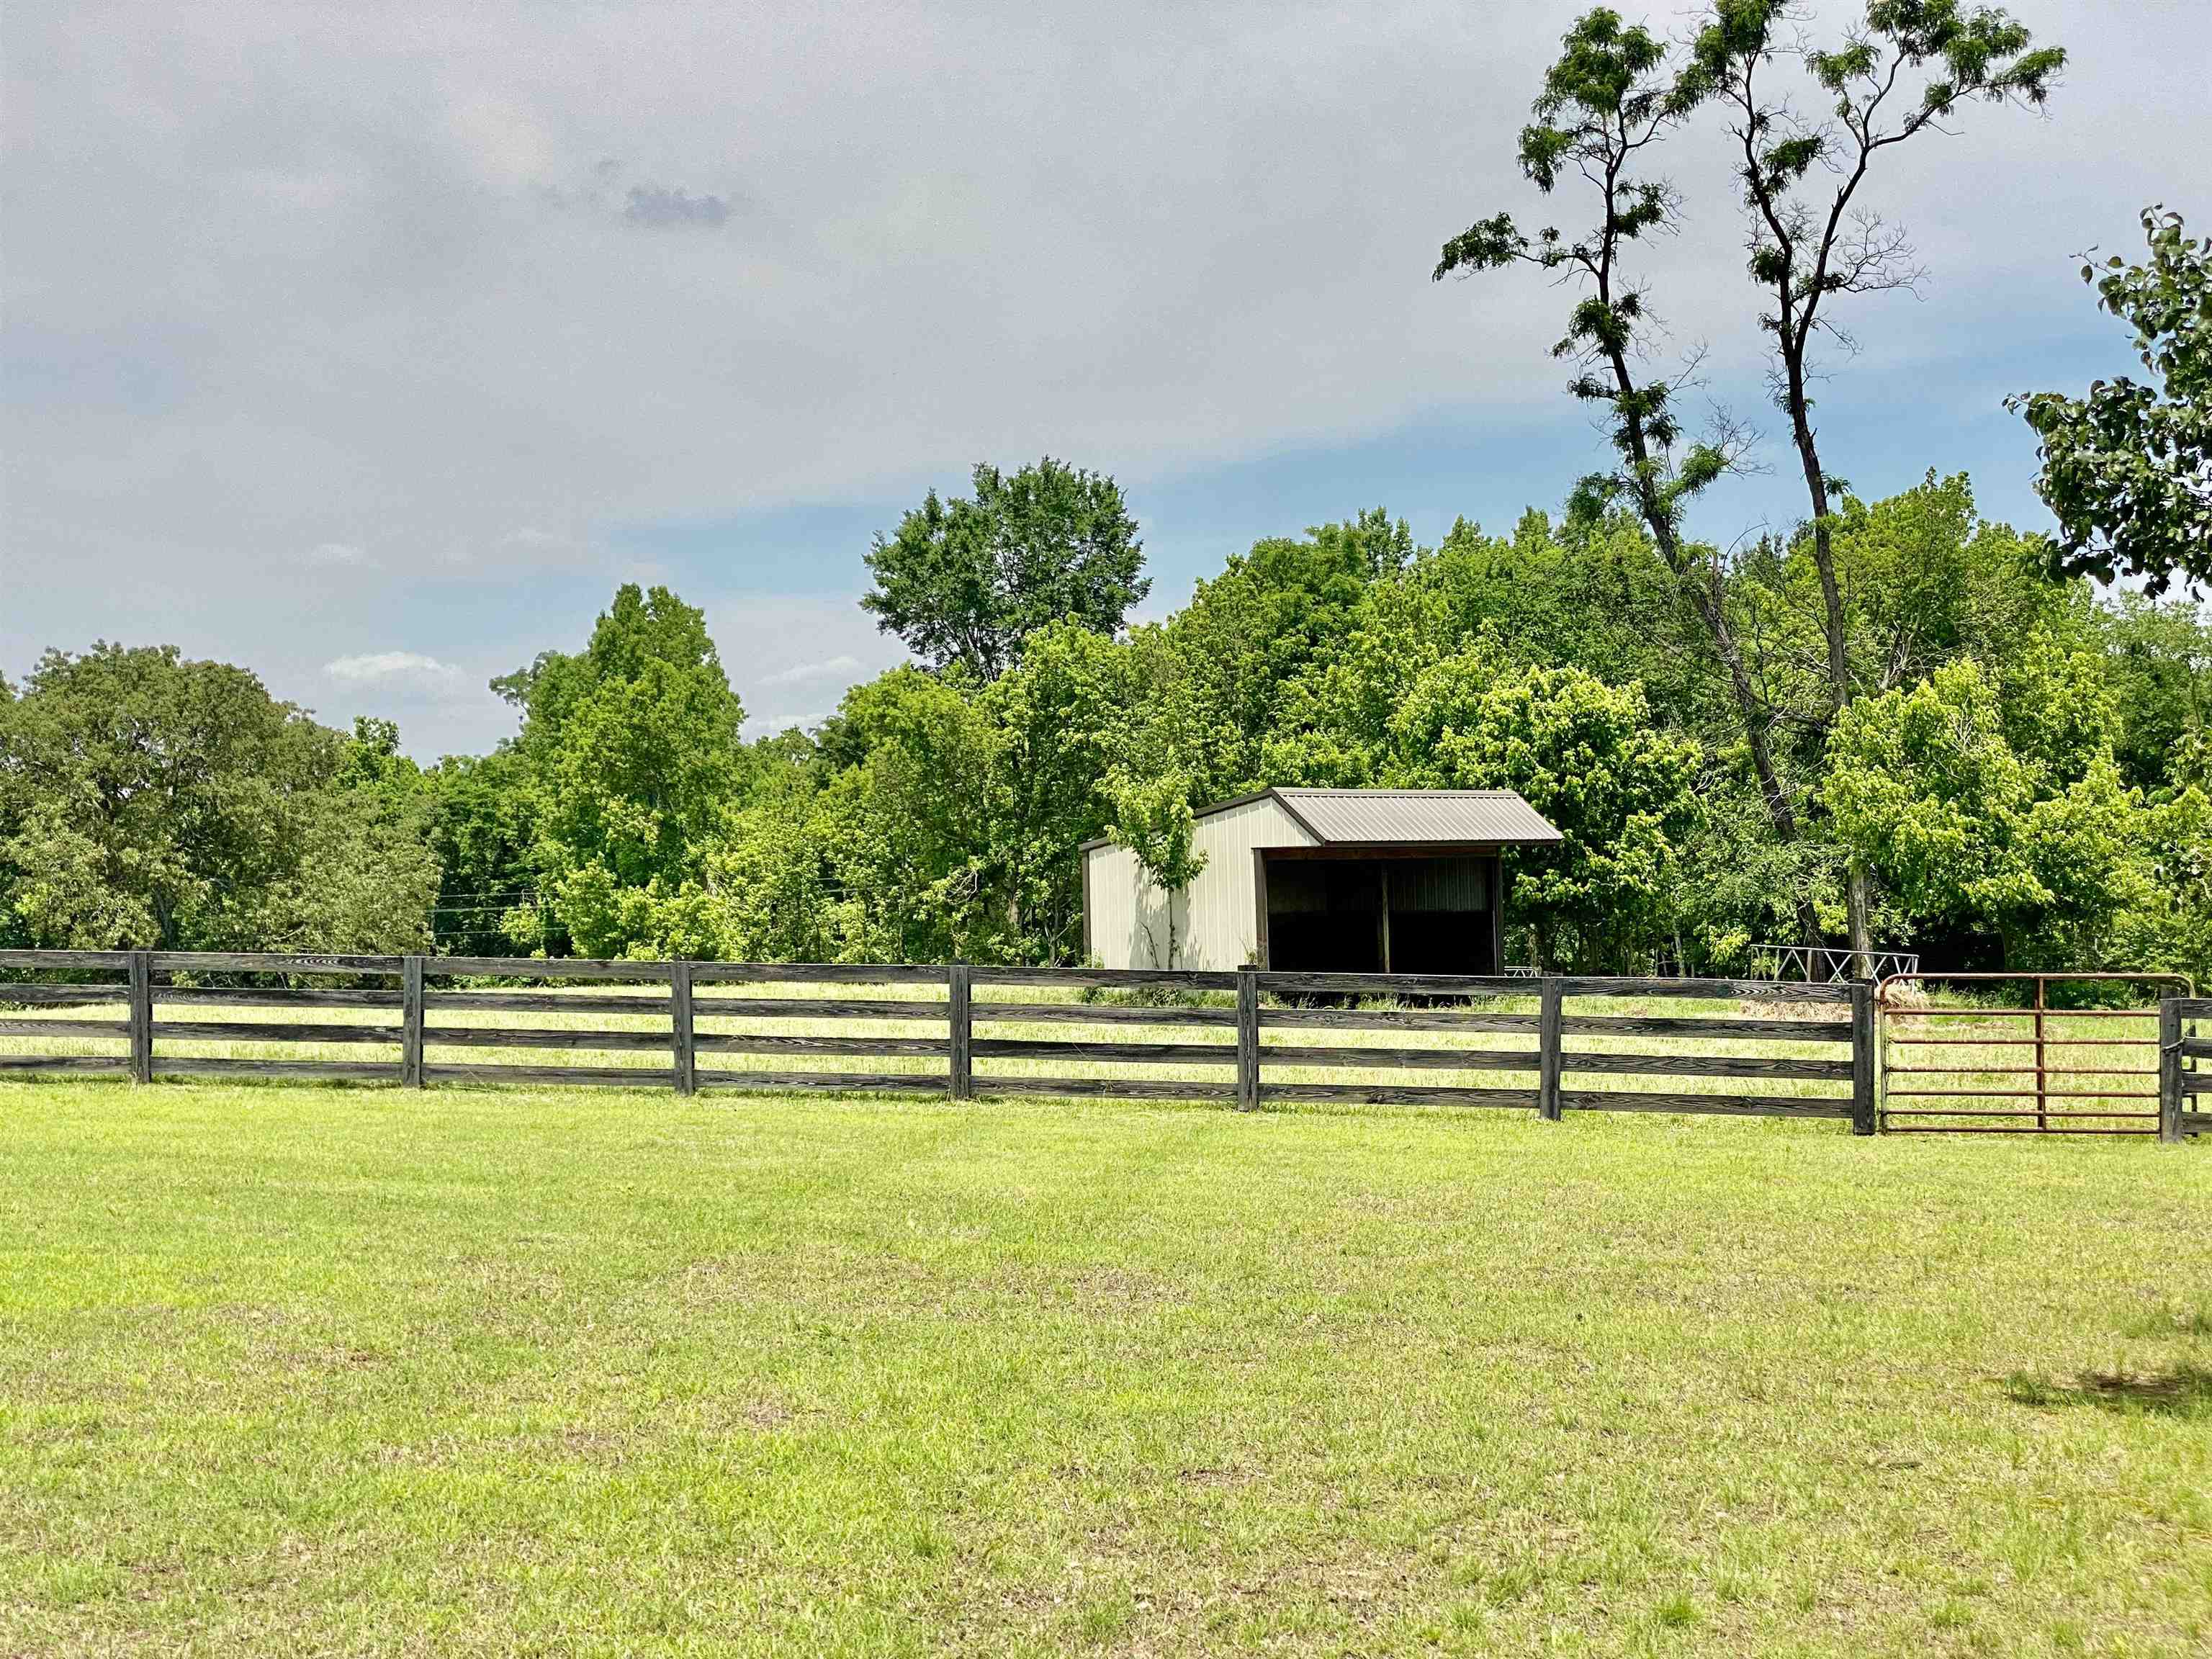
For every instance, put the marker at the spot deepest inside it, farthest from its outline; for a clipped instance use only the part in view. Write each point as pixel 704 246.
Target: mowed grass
pixel 308 1369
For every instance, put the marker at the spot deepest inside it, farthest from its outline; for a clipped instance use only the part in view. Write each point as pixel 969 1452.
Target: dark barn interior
pixel 1393 913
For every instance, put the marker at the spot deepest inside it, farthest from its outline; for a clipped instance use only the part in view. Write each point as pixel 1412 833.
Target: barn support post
pixel 1548 1024
pixel 1247 1038
pixel 142 1016
pixel 958 984
pixel 682 1037
pixel 2169 1069
pixel 1865 1120
pixel 410 1022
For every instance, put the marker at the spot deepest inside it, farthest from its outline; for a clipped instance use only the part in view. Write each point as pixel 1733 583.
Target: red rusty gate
pixel 2021 1053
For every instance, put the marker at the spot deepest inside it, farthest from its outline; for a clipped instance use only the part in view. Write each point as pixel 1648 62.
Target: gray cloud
pixel 280 277
pixel 657 209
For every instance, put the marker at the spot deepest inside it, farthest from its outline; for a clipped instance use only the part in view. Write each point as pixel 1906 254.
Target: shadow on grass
pixel 2182 1391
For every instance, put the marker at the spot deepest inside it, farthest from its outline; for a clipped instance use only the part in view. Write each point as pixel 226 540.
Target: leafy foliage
pixel 2127 471
pixel 631 748
pixel 149 801
pixel 1608 98
pixel 970 580
pixel 1586 756
pixel 1905 68
pixel 1965 829
pixel 2022 781
pixel 1152 818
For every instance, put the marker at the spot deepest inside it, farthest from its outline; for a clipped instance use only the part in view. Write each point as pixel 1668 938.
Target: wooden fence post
pixel 2169 1069
pixel 1548 1023
pixel 681 1034
pixel 410 1022
pixel 1247 1038
pixel 142 1016
pixel 961 1029
pixel 1864 1118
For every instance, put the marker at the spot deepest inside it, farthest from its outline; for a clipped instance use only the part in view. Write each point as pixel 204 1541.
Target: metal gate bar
pixel 2005 1107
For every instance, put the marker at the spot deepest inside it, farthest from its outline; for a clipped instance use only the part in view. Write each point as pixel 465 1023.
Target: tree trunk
pixel 1712 606
pixel 1710 601
pixel 1857 888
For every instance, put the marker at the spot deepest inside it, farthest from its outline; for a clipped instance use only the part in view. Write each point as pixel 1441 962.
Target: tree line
pixel 1896 724
pixel 2024 774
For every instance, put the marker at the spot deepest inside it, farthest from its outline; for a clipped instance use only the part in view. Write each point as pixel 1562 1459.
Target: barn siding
pixel 1223 926
pixel 1128 925
pixel 1451 884
pixel 1110 890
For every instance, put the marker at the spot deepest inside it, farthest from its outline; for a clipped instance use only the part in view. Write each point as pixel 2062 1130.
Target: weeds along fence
pixel 1246 1038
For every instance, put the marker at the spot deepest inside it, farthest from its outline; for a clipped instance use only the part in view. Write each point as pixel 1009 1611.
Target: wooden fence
pixel 1247 1038
pixel 2184 1089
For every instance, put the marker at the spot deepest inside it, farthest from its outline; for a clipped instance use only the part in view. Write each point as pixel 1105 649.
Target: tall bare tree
pixel 1901 72
pixel 1609 99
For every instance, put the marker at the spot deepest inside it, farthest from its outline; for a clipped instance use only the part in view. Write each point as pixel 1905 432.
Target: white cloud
pixel 846 667
pixel 338 554
pixel 753 627
pixel 529 538
pixel 389 665
pixel 766 725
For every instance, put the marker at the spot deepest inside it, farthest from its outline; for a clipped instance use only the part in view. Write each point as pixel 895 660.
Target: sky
pixel 371 345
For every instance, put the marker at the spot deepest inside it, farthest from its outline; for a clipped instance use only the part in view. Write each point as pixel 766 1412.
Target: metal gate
pixel 2023 1053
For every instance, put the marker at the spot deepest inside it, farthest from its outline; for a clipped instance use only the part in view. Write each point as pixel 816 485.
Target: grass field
pixel 290 1369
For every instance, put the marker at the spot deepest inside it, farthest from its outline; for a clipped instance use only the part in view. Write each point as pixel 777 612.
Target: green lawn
pixel 289 1370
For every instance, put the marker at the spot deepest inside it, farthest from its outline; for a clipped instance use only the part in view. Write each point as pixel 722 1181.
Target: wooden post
pixel 410 1022
pixel 1247 1038
pixel 2169 1069
pixel 142 1016
pixel 1383 866
pixel 681 1036
pixel 1548 1025
pixel 962 1029
pixel 1864 1118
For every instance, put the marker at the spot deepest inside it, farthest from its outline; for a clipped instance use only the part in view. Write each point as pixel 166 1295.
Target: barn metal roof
pixel 1370 818
pixel 1366 816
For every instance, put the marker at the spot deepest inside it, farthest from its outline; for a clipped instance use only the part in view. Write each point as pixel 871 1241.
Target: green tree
pixel 1609 100
pixel 1152 818
pixel 361 877
pixel 1905 68
pixel 1968 833
pixel 1068 713
pixel 1586 756
pixel 631 751
pixel 2167 927
pixel 882 853
pixel 2157 658
pixel 1224 664
pixel 1333 729
pixel 969 581
pixel 484 828
pixel 150 801
pixel 2127 471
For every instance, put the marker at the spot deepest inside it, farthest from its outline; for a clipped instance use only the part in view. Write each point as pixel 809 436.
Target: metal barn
pixel 1405 881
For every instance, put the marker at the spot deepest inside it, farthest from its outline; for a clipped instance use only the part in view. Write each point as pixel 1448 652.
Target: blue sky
pixel 371 346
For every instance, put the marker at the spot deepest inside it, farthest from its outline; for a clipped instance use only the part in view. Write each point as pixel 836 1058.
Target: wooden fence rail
pixel 2185 1088
pixel 1247 1038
